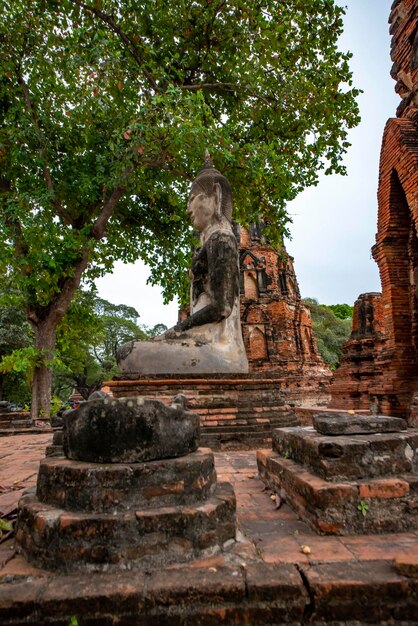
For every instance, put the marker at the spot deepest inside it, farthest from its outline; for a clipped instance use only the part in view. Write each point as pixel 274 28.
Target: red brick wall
pixel 383 369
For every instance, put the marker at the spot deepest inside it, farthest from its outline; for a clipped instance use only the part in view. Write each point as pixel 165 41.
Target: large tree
pixel 106 108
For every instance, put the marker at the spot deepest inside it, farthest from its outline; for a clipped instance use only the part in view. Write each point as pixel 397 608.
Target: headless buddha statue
pixel 209 340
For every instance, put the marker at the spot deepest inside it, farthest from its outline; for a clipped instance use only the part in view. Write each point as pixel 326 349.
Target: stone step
pixel 79 486
pixel 231 428
pixel 236 440
pixel 343 424
pixel 349 457
pixel 250 434
pixel 68 541
pixel 369 506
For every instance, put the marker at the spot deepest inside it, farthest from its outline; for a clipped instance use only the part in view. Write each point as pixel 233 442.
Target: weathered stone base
pixel 364 507
pixel 116 487
pixel 353 484
pixel 349 457
pixel 235 412
pixel 69 541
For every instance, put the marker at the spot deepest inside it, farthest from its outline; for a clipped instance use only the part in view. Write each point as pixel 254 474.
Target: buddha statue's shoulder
pixel 222 238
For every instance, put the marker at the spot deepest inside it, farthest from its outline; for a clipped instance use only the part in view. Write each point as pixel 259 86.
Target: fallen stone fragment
pixel 343 424
pixel 129 430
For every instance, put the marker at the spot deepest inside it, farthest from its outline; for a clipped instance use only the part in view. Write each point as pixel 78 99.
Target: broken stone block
pixel 344 424
pixel 129 430
pixel 133 492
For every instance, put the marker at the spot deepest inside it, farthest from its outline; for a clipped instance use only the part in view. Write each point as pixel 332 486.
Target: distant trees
pixel 15 335
pixel 87 340
pixel 342 311
pixel 332 327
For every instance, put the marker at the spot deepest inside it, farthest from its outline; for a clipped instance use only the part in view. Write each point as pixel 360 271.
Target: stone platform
pixel 236 412
pixel 343 482
pixel 264 578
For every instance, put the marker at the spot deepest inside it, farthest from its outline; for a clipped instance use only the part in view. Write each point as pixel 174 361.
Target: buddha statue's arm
pixel 223 282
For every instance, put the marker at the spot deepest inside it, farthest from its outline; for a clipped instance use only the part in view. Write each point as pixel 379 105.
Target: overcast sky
pixel 334 224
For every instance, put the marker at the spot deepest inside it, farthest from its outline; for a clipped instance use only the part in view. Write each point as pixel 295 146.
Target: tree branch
pixel 107 210
pixel 226 86
pixel 14 224
pixel 42 148
pixel 132 48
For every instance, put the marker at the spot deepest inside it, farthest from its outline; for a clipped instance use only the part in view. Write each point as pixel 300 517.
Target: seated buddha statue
pixel 209 340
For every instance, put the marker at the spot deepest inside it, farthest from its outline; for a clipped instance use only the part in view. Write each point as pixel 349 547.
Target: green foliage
pixel 107 108
pixel 5 525
pixel 15 336
pixel 87 341
pixel 331 331
pixel 363 507
pixel 15 388
pixel 158 329
pixel 342 311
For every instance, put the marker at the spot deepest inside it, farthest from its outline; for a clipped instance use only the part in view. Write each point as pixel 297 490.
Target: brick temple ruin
pixel 379 369
pixel 276 324
pixel 356 474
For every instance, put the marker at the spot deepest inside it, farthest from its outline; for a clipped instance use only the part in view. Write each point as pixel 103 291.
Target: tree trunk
pixel 45 334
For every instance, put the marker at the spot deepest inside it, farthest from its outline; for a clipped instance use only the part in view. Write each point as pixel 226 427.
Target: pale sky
pixel 334 224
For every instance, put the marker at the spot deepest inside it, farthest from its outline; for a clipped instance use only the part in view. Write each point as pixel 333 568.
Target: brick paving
pixel 266 533
pixel 19 462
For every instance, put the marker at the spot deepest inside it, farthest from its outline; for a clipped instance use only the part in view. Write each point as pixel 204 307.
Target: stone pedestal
pixel 359 478
pixel 135 493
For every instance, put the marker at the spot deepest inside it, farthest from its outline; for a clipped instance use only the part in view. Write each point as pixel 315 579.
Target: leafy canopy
pixel 107 107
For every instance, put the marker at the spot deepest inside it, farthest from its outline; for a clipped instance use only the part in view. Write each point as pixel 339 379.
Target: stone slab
pixel 349 457
pixel 129 430
pixel 407 565
pixel 343 424
pixel 174 597
pixel 363 593
pixel 229 594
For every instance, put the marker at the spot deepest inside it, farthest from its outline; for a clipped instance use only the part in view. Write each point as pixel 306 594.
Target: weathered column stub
pixel 348 474
pixel 129 430
pixel 133 491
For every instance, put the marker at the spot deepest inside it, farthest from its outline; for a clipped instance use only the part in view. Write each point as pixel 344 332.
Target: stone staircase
pixel 249 431
pixel 238 412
